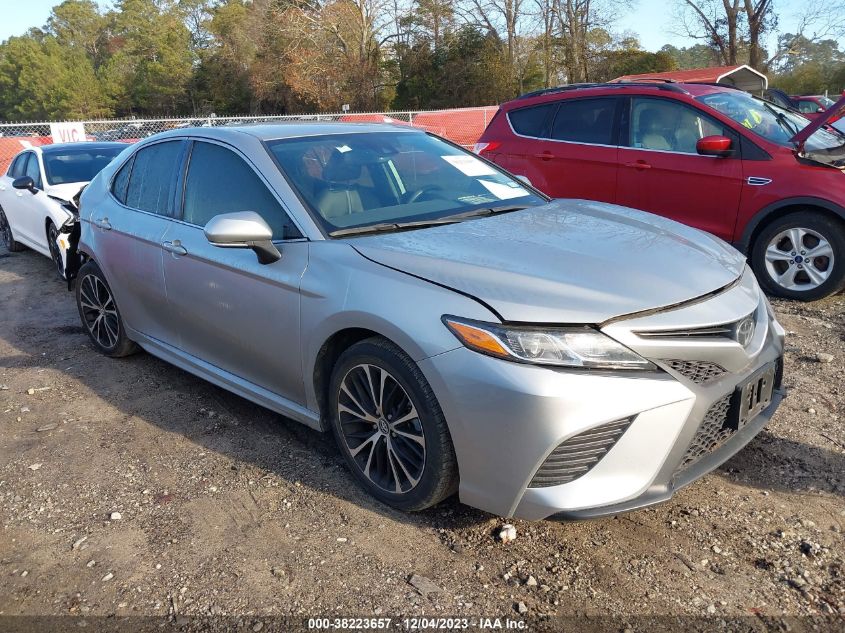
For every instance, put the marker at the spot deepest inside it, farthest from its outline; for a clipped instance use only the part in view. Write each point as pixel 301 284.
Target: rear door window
pixel 532 121
pixel 586 121
pixel 152 183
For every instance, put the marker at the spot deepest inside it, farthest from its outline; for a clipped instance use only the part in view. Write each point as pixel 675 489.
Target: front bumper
pixel 506 418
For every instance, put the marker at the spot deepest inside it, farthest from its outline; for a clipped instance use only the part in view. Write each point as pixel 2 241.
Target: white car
pixel 37 190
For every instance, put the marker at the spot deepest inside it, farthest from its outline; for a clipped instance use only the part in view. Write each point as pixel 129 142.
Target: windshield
pixel 825 102
pixel 77 165
pixel 357 180
pixel 769 121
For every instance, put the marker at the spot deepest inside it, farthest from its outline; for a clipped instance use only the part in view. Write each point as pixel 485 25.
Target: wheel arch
pixel 327 356
pixel 781 208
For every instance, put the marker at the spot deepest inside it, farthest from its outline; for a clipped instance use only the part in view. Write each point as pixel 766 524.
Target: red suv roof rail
pixel 660 84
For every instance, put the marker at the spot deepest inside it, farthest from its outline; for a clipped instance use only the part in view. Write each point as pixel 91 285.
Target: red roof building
pixel 742 77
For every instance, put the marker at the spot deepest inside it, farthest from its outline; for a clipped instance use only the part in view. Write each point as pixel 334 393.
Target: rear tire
pixel 6 235
pixel 100 315
pixel 801 256
pixel 389 427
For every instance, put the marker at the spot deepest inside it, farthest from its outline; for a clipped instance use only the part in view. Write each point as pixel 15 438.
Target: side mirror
pixel 714 146
pixel 245 229
pixel 25 182
pixel 820 110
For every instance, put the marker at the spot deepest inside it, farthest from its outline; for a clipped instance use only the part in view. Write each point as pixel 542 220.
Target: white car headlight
pixel 561 347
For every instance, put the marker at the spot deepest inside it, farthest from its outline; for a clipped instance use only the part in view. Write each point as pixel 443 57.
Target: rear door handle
pixel 103 223
pixel 544 156
pixel 640 164
pixel 174 247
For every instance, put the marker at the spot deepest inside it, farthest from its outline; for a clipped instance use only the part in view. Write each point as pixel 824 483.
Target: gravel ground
pixel 129 487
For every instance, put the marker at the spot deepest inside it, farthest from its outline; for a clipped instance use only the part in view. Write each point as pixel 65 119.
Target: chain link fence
pixel 462 125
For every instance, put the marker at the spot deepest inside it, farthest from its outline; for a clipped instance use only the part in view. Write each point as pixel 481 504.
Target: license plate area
pixel 752 397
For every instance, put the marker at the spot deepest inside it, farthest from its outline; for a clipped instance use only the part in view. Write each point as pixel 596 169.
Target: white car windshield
pixel 77 164
pixel 358 180
pixel 769 121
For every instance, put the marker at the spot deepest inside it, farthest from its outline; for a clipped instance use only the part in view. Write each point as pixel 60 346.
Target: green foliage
pixel 696 56
pixel 467 69
pixel 172 57
pixel 810 67
pixel 40 79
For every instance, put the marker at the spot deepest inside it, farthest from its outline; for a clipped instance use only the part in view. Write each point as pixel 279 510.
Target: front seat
pixel 341 196
pixel 651 132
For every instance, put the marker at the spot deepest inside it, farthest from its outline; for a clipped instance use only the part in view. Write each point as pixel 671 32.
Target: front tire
pixel 389 427
pixel 99 313
pixel 6 235
pixel 801 256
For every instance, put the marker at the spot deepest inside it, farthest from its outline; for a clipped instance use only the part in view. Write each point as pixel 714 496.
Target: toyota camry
pixel 455 329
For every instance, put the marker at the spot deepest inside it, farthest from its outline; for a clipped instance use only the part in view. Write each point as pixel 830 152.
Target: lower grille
pixel 711 434
pixel 698 371
pixel 577 455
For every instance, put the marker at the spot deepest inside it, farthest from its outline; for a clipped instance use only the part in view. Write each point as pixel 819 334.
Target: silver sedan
pixel 454 329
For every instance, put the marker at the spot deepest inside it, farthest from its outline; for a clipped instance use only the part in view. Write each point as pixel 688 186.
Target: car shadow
pixel 44 332
pixel 43 329
pixel 770 462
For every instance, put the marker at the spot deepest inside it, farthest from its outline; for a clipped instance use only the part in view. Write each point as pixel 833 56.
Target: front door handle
pixel 103 223
pixel 544 156
pixel 174 247
pixel 640 164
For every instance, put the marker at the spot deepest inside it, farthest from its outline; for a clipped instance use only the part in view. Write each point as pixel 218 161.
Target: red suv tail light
pixel 481 148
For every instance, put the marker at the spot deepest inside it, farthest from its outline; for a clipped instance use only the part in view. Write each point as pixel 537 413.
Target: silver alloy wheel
pixel 799 259
pixel 381 428
pixel 99 311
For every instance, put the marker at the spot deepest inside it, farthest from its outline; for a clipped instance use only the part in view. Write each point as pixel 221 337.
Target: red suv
pixel 763 178
pixel 812 106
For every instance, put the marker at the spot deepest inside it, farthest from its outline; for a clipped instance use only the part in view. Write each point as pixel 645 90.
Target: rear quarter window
pixel 532 121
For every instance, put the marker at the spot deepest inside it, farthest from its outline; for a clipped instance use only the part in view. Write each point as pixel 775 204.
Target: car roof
pixel 670 88
pixel 284 130
pixel 58 148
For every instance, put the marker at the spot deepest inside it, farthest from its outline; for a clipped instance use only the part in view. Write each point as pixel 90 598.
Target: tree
pixel 151 61
pixel 760 18
pixel 79 24
pixel 716 22
pixel 41 79
pixel 695 56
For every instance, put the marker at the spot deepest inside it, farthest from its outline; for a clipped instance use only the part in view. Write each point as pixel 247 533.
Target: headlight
pixel 562 347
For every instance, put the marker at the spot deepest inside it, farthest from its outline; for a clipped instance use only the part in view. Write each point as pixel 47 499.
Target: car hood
pixel 570 261
pixel 65 191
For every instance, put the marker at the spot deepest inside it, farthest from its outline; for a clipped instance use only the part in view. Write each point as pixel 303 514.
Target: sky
pixel 651 20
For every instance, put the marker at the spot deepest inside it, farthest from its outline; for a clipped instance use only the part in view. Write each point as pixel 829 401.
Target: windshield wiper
pixel 781 117
pixel 485 211
pixel 383 227
pixel 391 226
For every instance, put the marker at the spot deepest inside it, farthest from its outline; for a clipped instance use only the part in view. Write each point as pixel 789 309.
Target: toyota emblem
pixel 745 331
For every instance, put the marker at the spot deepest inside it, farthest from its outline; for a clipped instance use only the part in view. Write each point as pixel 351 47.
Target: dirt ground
pixel 227 509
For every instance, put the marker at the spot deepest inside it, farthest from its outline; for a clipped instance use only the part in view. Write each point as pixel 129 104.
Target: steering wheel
pixel 416 195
